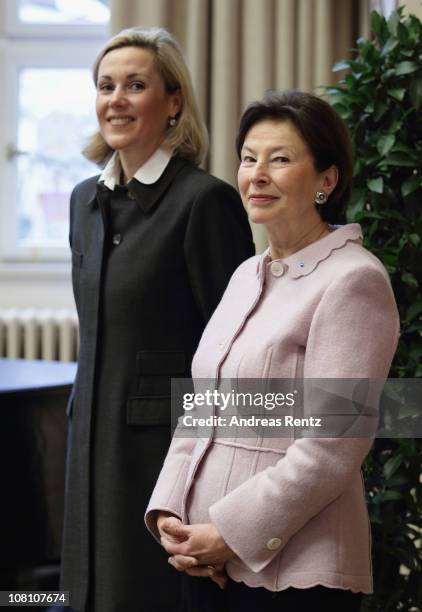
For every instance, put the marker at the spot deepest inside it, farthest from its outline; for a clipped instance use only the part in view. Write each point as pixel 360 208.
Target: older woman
pixel 284 518
pixel 154 242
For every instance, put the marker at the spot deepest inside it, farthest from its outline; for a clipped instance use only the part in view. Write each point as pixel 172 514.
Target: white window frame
pixel 23 47
pixel 15 27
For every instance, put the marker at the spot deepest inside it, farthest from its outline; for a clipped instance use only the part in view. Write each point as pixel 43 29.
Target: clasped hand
pixel 198 550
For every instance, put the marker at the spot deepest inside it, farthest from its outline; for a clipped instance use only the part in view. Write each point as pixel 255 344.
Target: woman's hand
pixel 166 518
pixel 217 573
pixel 201 545
pixel 202 542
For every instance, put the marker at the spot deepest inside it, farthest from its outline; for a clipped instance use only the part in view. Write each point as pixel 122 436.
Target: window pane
pixel 56 116
pixel 65 11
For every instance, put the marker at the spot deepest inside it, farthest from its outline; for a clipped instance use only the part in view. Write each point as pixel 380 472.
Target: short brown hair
pixel 189 137
pixel 323 131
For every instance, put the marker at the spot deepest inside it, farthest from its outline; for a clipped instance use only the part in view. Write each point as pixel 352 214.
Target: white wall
pixel 33 286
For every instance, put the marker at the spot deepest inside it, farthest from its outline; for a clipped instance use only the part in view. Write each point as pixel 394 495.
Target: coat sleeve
pixel 218 239
pixel 353 334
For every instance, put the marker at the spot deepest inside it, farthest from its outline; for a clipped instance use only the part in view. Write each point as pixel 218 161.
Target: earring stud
pixel 320 198
pixel 172 121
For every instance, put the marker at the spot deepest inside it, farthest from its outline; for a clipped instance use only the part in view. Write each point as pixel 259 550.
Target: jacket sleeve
pixel 353 334
pixel 169 489
pixel 218 239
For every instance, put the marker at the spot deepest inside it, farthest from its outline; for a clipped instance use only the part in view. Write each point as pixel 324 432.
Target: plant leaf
pixel 376 21
pixel 357 67
pixel 392 23
pixel 409 279
pixel 389 496
pixel 402 34
pixel 389 46
pixel 380 109
pixel 415 92
pixel 408 411
pixel 392 465
pixel 406 68
pixel 391 72
pixel 397 94
pixel 415 239
pixel 400 159
pixel 410 185
pixel 385 143
pixel 376 185
pixel 357 202
pixel 402 148
pixel 414 310
pixel 343 65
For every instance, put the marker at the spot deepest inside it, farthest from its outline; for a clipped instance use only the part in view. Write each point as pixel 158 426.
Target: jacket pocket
pixel 150 401
pixel 144 410
pixel 154 371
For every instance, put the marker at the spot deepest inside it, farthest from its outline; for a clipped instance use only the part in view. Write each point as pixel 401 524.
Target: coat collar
pixel 306 260
pixel 148 173
pixel 145 195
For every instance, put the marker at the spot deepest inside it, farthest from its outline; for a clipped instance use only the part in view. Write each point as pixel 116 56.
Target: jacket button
pixel 274 543
pixel 277 268
pixel 117 238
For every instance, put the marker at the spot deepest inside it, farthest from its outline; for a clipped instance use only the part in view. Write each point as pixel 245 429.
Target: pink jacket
pixel 293 510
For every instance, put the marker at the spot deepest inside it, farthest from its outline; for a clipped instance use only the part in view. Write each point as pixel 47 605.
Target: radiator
pixel 39 334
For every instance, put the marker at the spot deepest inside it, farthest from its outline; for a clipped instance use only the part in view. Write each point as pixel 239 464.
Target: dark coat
pixel 150 264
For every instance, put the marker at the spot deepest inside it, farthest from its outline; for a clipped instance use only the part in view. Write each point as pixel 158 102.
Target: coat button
pixel 117 238
pixel 274 543
pixel 277 268
pixel 131 196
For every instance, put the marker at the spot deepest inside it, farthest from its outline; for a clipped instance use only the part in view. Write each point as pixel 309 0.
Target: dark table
pixel 33 398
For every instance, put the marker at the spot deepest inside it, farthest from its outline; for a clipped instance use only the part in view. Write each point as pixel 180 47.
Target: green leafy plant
pixel 380 99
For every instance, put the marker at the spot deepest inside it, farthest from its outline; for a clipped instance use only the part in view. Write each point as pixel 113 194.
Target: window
pixel 76 13
pixel 48 112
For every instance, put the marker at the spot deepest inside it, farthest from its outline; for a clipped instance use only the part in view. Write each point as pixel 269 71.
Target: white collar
pixel 147 174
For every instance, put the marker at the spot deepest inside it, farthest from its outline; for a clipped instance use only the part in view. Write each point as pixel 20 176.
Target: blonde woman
pixel 154 242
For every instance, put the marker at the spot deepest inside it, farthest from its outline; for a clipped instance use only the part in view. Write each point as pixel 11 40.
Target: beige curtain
pixel 236 49
pixel 412 7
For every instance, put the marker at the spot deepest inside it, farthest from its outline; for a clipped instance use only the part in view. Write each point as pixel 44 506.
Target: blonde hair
pixel 189 137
